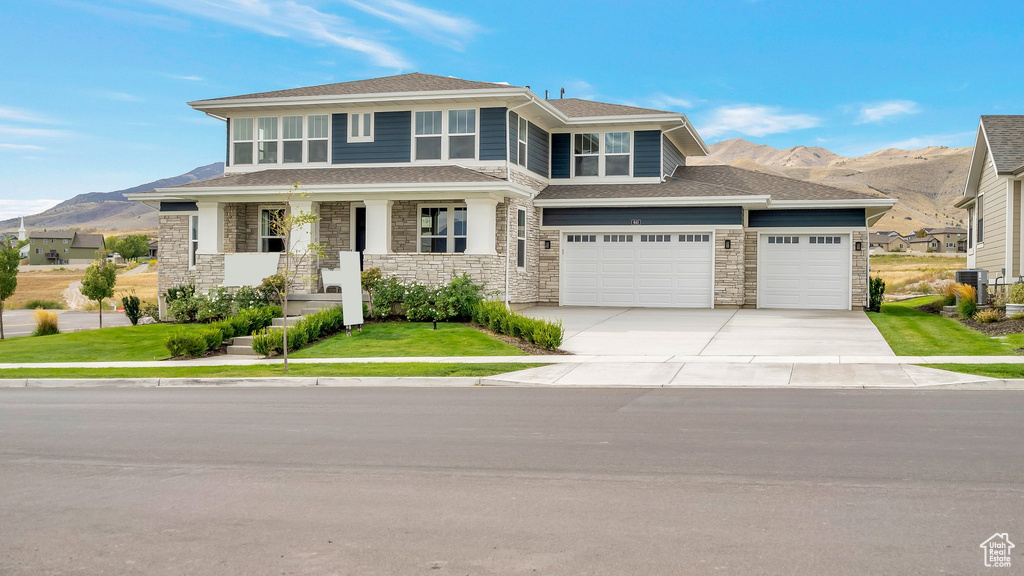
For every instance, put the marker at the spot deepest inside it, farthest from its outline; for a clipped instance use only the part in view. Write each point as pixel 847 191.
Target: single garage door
pixel 804 271
pixel 662 270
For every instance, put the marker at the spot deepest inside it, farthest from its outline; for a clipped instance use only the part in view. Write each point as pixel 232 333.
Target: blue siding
pixel 647 215
pixel 537 150
pixel 513 138
pixel 492 133
pixel 647 153
pixel 178 207
pixel 561 155
pixel 392 140
pixel 672 158
pixel 814 218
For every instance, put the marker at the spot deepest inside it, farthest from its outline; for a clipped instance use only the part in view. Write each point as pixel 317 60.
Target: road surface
pixel 507 481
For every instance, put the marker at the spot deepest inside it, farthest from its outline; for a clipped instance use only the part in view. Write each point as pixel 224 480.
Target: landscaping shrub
pixel 214 305
pixel 987 316
pixel 247 298
pixel 459 297
pixel 46 322
pixel 226 329
pixel 44 304
pixel 966 305
pixel 386 294
pixel 1016 294
pixel 497 317
pixel 187 290
pixel 268 341
pixel 184 343
pixel 150 309
pixel 184 309
pixel 876 291
pixel 949 294
pixel 213 338
pixel 419 302
pixel 271 288
pixel 132 308
pixel 327 322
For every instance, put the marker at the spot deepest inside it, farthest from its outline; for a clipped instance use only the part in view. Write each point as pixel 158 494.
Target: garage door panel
pixel 804 275
pixel 617 282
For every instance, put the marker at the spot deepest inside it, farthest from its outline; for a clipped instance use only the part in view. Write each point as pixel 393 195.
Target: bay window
pixel 316 147
pixel 360 127
pixel 442 229
pixel 271 235
pixel 587 154
pixel 462 133
pixel 242 137
pixel 291 134
pixel 428 135
pixel 266 134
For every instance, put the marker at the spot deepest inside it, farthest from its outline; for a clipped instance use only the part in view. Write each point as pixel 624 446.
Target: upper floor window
pixel 291 134
pixel 428 135
pixel 266 140
pixel 316 147
pixel 462 133
pixel 242 136
pixel 360 127
pixel 521 238
pixel 590 159
pixel 524 131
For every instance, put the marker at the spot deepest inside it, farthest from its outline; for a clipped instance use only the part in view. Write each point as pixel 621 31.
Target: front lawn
pixel 409 339
pixel 415 369
pixel 990 370
pixel 911 332
pixel 125 343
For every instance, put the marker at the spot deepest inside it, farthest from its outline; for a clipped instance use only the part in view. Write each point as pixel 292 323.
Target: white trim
pixel 500 188
pixel 362 137
pixel 846 203
pixel 1008 245
pixel 848 232
pixel 259 226
pixel 602 154
pixel 234 168
pixel 525 238
pixel 193 243
pixel 451 236
pixel 743 201
pixel 445 137
pixel 646 229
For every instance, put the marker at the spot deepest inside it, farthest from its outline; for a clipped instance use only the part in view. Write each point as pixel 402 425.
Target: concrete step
pixel 242 341
pixel 241 351
pixel 291 320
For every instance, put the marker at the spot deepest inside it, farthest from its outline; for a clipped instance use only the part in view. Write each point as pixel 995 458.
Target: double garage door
pixel 675 270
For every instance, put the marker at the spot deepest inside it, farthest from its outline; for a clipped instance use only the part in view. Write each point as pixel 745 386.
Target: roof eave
pixel 481 93
pixel 743 201
pixel 177 194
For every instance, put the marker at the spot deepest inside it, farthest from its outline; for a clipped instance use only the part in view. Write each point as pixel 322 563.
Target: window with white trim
pixel 266 140
pixel 291 136
pixel 462 133
pixel 586 154
pixel 271 235
pixel 618 237
pixel 787 240
pixel 616 154
pixel 826 239
pixel 521 238
pixel 360 127
pixel 694 237
pixel 193 240
pixel 524 133
pixel 655 237
pixel 316 146
pixel 241 132
pixel 577 238
pixel 65 240
pixel 428 135
pixel 442 229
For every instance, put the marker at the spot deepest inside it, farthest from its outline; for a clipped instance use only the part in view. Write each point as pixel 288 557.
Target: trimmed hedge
pixel 195 344
pixel 188 344
pixel 270 341
pixel 497 317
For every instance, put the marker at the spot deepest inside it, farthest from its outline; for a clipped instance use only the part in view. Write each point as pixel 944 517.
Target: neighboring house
pixel 63 247
pixel 927 243
pixel 950 239
pixel 887 242
pixel 897 243
pixel 153 244
pixel 995 242
pixel 561 201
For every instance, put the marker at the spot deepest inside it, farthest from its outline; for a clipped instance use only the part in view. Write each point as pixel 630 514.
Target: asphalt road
pixel 507 481
pixel 20 322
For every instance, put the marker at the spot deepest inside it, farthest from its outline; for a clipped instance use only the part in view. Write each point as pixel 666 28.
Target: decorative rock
pixel 146 320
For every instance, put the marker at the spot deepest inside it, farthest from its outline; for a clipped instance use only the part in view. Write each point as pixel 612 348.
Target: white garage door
pixel 666 270
pixel 804 271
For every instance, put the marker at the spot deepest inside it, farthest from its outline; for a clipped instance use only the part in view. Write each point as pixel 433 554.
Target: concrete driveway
pixel 683 332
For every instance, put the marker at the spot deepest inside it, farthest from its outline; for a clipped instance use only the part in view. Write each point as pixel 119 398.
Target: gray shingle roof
pixel 287 177
pixel 413 82
pixel 59 234
pixel 1005 141
pixel 88 241
pixel 707 181
pixel 577 108
pixel 946 231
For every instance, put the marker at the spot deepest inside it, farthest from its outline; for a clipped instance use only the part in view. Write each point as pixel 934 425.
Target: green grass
pixel 910 332
pixel 409 339
pixel 990 370
pixel 363 370
pixel 124 343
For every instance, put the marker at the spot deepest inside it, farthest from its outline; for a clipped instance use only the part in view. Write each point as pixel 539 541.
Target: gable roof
pixel 946 231
pixel 412 82
pixel 57 234
pixel 579 108
pixel 1005 138
pixel 928 238
pixel 778 187
pixel 88 241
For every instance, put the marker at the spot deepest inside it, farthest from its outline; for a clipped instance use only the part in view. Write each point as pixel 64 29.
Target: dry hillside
pixel 926 182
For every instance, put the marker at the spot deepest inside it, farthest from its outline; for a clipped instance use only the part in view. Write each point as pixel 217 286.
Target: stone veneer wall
pixel 523 282
pixel 241 227
pixel 172 235
pixel 404 224
pixel 547 267
pixel 730 279
pixel 859 291
pixel 750 269
pixel 436 269
pixel 335 231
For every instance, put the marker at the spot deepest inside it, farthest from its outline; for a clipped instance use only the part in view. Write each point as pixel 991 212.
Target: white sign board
pixel 249 269
pixel 351 288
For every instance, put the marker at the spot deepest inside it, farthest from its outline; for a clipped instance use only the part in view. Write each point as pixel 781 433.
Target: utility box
pixel 977 278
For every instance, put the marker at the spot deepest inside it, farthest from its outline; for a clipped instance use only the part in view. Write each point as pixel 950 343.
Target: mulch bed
pixel 521 344
pixel 1002 327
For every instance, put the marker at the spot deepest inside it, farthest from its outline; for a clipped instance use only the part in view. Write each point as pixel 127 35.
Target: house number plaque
pixel 635 221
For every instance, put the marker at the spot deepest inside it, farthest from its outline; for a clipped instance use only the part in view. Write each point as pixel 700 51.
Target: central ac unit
pixel 977 278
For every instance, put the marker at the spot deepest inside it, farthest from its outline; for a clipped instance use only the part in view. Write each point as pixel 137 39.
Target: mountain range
pixel 926 182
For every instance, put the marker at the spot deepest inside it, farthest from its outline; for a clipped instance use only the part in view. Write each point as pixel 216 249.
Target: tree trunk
pixel 101 313
pixel 1 319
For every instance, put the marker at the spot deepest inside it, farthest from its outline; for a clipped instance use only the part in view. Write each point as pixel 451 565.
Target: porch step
pixel 290 321
pixel 242 341
pixel 236 350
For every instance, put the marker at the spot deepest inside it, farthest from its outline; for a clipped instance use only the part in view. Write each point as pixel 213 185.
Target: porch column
pixel 303 234
pixel 378 226
pixel 481 225
pixel 211 227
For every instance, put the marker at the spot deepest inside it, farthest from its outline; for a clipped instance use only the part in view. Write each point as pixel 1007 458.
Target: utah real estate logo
pixel 997 550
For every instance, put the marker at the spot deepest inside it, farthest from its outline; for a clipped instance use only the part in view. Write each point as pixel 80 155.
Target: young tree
pixel 298 264
pixel 130 247
pixel 98 282
pixel 9 257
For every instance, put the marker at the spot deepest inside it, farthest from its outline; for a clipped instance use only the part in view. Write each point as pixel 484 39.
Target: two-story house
pixel 565 201
pixel 63 247
pixel 992 197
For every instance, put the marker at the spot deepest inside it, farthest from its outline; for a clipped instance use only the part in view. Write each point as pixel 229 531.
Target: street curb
pixel 269 382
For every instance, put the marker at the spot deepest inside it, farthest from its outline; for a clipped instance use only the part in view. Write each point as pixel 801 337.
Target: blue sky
pixel 94 92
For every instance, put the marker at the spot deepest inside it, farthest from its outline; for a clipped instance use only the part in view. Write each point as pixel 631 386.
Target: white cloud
pixel 666 102
pixel 20 146
pixel 13 208
pixel 291 19
pixel 434 25
pixel 577 89
pixel 187 78
pixel 22 115
pixel 31 132
pixel 879 111
pixel 755 120
pixel 115 96
pixel 952 140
